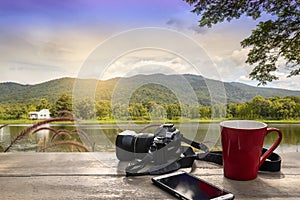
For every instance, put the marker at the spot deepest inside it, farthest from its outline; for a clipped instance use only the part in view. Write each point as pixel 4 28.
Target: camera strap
pixel 146 167
pixel 272 164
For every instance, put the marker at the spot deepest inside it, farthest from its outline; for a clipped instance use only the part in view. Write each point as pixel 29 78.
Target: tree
pixel 194 112
pixel 205 112
pixel 231 110
pixel 218 111
pixel 43 104
pixel 138 111
pixel 120 111
pixel 283 108
pixel 260 107
pixel 85 108
pixel 272 41
pixel 13 111
pixel 103 109
pixel 173 111
pixel 156 111
pixel 64 102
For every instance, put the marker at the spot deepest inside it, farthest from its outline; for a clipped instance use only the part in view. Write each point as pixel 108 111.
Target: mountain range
pixel 160 88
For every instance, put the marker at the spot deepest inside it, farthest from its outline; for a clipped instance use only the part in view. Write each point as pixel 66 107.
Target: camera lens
pixel 130 145
pixel 142 144
pixel 125 145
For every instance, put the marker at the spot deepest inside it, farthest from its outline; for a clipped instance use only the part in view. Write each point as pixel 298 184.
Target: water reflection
pixel 4 138
pixel 102 137
pixel 290 140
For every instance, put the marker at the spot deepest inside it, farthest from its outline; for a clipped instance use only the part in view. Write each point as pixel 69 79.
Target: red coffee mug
pixel 242 143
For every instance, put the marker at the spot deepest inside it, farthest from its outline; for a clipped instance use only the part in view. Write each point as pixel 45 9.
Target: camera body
pixel 162 146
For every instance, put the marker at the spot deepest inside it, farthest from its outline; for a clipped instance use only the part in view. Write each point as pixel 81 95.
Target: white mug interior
pixel 243 124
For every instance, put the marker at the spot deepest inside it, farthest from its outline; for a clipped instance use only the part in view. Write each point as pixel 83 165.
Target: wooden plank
pixel 101 176
pixel 79 187
pixel 120 187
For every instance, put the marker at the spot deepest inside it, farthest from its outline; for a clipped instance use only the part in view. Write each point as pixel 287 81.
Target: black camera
pixel 162 146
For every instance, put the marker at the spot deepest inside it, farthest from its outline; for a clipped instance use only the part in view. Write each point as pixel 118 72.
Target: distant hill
pixel 265 92
pixel 140 88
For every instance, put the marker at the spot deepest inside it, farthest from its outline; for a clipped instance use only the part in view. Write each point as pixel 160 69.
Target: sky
pixel 50 39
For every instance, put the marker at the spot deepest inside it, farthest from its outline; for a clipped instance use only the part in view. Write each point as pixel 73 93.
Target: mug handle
pixel 273 147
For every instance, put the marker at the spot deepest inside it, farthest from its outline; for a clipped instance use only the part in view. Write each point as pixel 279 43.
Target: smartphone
pixel 185 186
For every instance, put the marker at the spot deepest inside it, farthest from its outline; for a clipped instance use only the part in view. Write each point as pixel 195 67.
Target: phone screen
pixel 191 187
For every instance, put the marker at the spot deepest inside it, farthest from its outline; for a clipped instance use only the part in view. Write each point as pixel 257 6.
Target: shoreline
pixel 25 121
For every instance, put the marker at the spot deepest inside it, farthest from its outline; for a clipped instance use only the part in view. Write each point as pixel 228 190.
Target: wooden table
pixel 101 176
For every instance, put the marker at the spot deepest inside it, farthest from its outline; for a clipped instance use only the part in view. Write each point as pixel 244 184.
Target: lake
pixel 102 137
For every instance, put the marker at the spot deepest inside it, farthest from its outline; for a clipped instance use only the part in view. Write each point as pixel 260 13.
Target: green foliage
pixel 138 111
pixel 156 111
pixel 120 112
pixel 153 92
pixel 218 111
pixel 153 101
pixel 173 111
pixel 103 109
pixel 33 95
pixel 274 108
pixel 43 104
pixel 85 109
pixel 64 102
pixel 205 112
pixel 272 40
pixel 13 111
pixel 194 112
pixel 265 108
pixel 38 126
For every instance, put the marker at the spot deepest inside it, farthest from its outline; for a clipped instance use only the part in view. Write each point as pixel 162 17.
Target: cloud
pixel 185 25
pixel 195 28
pixel 53 49
pixel 244 78
pixel 29 66
pixel 46 39
pixel 239 56
pixel 291 83
pixel 175 22
pixel 285 81
pixel 32 57
pixel 133 65
pixel 232 66
pixel 32 46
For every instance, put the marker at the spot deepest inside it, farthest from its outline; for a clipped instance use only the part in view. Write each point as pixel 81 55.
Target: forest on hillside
pixel 274 108
pixel 160 88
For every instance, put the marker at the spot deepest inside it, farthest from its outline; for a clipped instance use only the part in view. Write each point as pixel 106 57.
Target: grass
pixel 38 126
pixel 287 121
